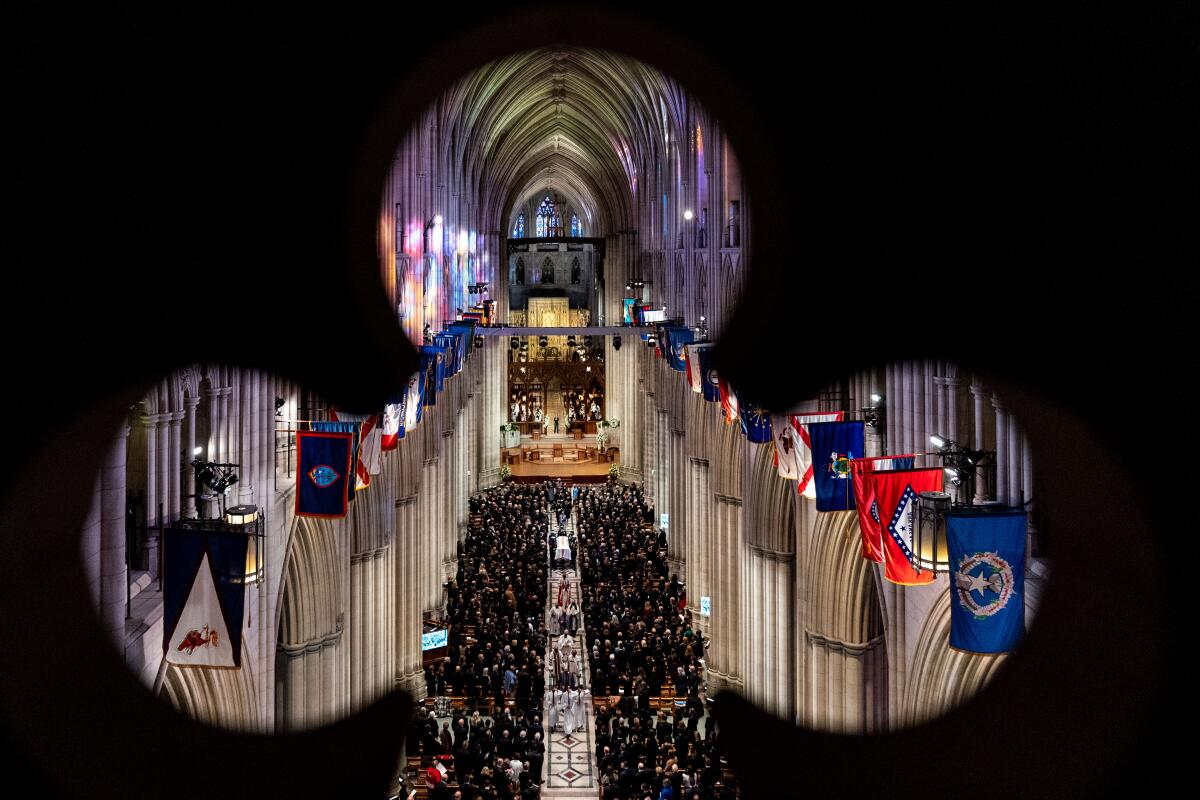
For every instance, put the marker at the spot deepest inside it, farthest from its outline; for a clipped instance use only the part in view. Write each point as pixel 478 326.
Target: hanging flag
pixel 433 360
pixel 204 574
pixel 413 402
pixel 895 494
pixel 787 446
pixel 729 401
pixel 355 431
pixel 451 344
pixel 833 445
pixel 677 338
pixel 756 420
pixel 987 589
pixel 864 499
pixel 804 457
pixel 691 355
pixel 369 459
pixel 393 422
pixel 325 462
pixel 465 327
pixel 711 382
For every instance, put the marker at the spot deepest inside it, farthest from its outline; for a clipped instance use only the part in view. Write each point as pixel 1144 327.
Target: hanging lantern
pixel 930 552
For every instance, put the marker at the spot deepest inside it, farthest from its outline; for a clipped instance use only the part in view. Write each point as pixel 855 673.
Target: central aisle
pixel 570 769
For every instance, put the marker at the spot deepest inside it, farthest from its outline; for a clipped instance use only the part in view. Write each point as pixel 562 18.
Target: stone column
pixel 1002 454
pixel 189 489
pixel 952 383
pixel 978 398
pixel 174 507
pixel 1014 462
pixel 112 538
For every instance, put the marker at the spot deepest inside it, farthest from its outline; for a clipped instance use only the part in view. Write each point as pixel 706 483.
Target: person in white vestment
pixel 573 710
pixel 581 716
pixel 560 707
pixel 556 614
pixel 579 709
pixel 571 705
pixel 552 715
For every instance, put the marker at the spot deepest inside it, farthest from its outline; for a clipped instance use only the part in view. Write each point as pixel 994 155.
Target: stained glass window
pixel 519 228
pixel 576 228
pixel 545 217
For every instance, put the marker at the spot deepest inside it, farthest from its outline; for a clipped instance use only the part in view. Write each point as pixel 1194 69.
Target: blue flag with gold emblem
pixel 833 444
pixel 324 472
pixel 756 420
pixel 433 364
pixel 987 585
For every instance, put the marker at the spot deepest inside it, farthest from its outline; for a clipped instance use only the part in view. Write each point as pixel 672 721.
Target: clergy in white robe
pixel 560 707
pixel 579 709
pixel 552 716
pixel 573 710
pixel 556 615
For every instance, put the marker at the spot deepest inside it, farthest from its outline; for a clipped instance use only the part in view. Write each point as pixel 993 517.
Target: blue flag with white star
pixel 756 420
pixel 833 444
pixel 987 584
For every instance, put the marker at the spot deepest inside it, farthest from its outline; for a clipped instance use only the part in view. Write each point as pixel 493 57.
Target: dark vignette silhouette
pixel 1010 193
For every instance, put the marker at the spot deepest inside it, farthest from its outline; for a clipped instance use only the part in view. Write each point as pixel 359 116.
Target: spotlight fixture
pixel 543 341
pixel 218 477
pixel 651 341
pixel 688 215
pixel 570 341
pixel 197 451
pixel 514 343
pixel 616 343
pixel 874 397
pixel 437 219
pixel 479 341
pixel 938 441
pixel 587 341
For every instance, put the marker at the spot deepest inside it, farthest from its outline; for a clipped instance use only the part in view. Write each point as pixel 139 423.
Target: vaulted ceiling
pixel 579 122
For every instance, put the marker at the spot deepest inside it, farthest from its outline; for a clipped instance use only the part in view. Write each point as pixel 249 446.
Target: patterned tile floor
pixel 569 756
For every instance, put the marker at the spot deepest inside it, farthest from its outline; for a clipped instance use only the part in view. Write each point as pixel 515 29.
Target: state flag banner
pixel 729 401
pixel 833 445
pixel 325 463
pixel 987 586
pixel 353 428
pixel 370 443
pixel 413 402
pixel 895 493
pixel 710 380
pixel 787 446
pixel 756 421
pixel 677 339
pixel 393 423
pixel 864 500
pixel 805 485
pixel 695 373
pixel 204 573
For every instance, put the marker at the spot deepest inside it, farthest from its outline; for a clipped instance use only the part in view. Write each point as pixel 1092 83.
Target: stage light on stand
pixel 688 215
pixel 937 441
pixel 875 398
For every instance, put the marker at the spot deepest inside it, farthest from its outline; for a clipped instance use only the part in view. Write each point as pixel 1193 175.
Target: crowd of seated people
pixel 496 610
pixel 641 639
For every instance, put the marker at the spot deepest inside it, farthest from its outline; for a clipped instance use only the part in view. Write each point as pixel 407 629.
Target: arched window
pixel 547 271
pixel 576 228
pixel 545 217
pixel 519 228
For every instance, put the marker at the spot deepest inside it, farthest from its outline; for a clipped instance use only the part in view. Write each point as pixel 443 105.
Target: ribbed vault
pixel 575 121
